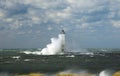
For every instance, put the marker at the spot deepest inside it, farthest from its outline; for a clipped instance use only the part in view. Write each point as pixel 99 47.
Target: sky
pixel 87 23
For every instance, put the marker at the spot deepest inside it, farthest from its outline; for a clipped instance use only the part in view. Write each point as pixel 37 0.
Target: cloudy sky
pixel 88 23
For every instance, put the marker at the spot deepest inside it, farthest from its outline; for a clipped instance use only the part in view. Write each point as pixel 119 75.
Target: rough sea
pixel 91 62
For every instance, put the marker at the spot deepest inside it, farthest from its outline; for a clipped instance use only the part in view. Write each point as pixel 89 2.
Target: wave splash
pixel 56 47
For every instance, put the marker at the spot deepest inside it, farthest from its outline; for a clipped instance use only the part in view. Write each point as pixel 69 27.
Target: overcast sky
pixel 88 23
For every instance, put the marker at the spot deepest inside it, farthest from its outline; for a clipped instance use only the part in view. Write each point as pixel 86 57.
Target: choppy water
pixel 91 62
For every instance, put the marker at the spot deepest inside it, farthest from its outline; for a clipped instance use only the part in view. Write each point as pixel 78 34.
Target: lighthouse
pixel 63 41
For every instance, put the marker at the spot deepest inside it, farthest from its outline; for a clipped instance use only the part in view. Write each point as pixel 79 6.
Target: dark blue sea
pixel 89 62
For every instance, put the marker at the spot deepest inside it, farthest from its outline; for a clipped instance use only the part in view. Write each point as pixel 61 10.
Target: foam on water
pixel 15 57
pixel 72 56
pixel 106 73
pixel 69 72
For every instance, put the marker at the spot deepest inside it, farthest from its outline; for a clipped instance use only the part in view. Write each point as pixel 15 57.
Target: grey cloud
pixel 19 17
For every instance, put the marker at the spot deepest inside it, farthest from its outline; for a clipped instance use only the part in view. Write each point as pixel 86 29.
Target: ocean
pixel 91 62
